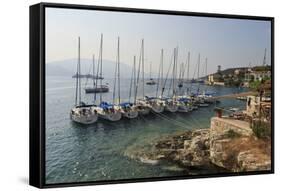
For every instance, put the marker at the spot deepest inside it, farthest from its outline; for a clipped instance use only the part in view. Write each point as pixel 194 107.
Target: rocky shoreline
pixel 228 148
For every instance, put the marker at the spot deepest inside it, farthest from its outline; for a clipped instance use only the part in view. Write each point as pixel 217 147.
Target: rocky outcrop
pixel 228 144
pixel 234 147
pixel 190 148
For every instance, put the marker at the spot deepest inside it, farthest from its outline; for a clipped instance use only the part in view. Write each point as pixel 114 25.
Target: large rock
pixel 229 144
pixel 253 161
pixel 234 147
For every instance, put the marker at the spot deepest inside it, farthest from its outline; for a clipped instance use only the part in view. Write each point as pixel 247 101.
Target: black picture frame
pixel 37 92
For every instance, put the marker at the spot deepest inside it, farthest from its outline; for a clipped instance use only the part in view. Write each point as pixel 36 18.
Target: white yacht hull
pixel 130 114
pixel 142 107
pixel 171 107
pixel 109 115
pixel 157 108
pixel 144 110
pixel 77 115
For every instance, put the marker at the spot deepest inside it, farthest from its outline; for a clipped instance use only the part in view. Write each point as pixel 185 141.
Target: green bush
pixel 255 85
pixel 261 129
pixel 232 134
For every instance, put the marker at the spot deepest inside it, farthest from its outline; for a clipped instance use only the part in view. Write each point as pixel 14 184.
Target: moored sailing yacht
pixel 82 113
pixel 106 110
pixel 127 109
pixel 171 104
pixel 151 80
pixel 157 104
pixel 142 104
pixel 184 103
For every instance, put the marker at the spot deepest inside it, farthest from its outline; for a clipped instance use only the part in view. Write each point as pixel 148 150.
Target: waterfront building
pixel 258 73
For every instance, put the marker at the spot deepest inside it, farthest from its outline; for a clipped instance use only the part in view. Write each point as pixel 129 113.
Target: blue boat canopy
pixel 184 99
pixel 106 105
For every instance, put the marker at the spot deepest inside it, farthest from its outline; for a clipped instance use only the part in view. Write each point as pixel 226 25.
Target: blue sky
pixel 225 42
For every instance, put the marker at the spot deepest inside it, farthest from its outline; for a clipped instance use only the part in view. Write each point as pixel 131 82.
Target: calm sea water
pixel 77 153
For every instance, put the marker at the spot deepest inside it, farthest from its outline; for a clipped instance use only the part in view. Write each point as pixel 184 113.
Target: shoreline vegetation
pixel 228 146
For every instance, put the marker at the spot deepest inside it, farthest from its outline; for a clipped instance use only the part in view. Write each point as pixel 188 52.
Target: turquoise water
pixel 76 153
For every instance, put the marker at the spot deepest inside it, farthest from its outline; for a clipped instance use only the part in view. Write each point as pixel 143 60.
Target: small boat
pixel 82 113
pixel 234 109
pixel 242 98
pixel 87 76
pixel 98 89
pixel 151 81
pixel 180 85
pixel 108 111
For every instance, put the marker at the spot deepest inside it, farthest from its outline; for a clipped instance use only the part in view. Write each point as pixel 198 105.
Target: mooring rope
pixel 175 122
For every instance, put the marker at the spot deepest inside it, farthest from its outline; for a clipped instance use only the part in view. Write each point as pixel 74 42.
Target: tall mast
pixel 101 42
pixel 198 73
pixel 134 75
pixel 173 73
pixel 93 71
pixel 198 66
pixel 97 77
pixel 77 76
pixel 138 77
pixel 142 66
pixel 176 68
pixel 79 71
pixel 206 72
pixel 118 70
pixel 150 71
pixel 188 64
pixel 162 64
pixel 132 83
pixel 160 73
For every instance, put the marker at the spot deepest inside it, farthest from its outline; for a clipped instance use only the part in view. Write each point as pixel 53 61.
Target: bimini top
pixel 106 105
pixel 184 99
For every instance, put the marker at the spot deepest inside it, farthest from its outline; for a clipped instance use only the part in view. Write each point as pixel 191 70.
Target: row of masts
pixel 87 114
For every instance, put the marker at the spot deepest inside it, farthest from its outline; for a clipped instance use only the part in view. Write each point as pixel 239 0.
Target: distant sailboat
pixel 95 88
pixel 82 113
pixel 151 80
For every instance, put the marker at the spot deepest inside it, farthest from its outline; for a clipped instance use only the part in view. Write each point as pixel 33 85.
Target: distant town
pixel 240 77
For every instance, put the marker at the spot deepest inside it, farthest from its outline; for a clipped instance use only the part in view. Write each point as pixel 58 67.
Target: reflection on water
pixel 76 153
